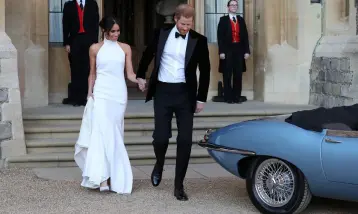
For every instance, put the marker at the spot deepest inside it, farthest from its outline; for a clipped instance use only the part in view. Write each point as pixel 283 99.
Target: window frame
pixel 216 13
pixel 50 11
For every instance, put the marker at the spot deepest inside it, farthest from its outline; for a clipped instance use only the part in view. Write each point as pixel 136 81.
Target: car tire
pixel 261 189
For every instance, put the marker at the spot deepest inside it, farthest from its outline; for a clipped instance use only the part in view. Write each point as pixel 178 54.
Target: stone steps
pixel 51 132
pixel 66 159
pixel 134 143
pixel 50 140
pixel 46 140
pixel 74 135
pixel 132 119
pixel 55 132
pixel 34 127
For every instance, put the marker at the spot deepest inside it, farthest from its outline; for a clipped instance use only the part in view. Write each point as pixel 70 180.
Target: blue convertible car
pixel 285 165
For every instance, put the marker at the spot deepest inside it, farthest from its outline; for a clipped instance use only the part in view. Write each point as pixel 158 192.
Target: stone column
pixel 12 141
pixel 36 55
pixel 199 15
pixel 27 26
pixel 2 16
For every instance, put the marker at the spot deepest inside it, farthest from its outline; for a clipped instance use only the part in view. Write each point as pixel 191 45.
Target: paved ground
pixel 210 188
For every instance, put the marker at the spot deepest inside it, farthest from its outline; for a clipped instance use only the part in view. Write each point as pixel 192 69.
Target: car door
pixel 340 156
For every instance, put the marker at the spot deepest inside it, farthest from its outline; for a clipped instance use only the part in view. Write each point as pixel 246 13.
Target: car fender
pixel 278 139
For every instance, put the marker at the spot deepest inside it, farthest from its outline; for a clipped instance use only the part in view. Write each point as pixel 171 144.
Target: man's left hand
pixel 199 107
pixel 246 56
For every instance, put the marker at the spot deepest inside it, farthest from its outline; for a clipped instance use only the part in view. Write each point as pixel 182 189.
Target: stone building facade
pixel 302 53
pixel 282 34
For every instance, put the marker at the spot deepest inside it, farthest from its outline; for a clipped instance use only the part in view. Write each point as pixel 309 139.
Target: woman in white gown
pixel 100 151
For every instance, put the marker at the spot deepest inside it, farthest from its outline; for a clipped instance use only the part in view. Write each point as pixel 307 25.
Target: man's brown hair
pixel 184 10
pixel 229 2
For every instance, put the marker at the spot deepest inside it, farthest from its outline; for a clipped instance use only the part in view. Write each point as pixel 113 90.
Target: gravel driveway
pixel 22 192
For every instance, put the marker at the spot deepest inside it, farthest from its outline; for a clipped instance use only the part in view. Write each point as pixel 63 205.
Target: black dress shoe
pixel 156 176
pixel 80 103
pixel 180 195
pixel 238 101
pixel 67 101
pixel 242 99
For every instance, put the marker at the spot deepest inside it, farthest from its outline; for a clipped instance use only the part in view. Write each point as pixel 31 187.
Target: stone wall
pixel 5 126
pixel 356 6
pixel 331 79
pixel 12 141
pixel 334 72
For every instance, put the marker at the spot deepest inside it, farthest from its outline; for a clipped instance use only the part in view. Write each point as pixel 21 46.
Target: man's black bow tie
pixel 178 34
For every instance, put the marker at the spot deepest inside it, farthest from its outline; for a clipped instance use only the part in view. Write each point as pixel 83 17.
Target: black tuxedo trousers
pixel 172 98
pixel 80 67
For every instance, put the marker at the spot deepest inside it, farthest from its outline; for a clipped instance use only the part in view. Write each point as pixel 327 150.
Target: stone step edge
pixel 130 127
pixel 129 141
pixel 245 112
pixel 132 148
pixel 65 157
pixel 142 162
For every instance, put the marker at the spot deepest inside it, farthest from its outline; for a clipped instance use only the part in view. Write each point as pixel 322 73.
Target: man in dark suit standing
pixel 234 49
pixel 80 31
pixel 173 83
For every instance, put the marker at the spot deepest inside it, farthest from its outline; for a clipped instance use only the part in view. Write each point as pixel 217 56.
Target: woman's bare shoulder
pixel 126 48
pixel 95 47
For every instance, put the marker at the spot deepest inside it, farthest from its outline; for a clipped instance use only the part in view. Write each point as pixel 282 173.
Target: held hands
pixel 68 49
pixel 141 84
pixel 199 107
pixel 90 94
pixel 222 56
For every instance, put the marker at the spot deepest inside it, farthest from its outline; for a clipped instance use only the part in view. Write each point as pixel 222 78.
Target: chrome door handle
pixel 329 140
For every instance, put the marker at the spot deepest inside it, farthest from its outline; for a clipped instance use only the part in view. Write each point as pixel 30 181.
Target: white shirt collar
pixel 175 29
pixel 232 15
pixel 83 2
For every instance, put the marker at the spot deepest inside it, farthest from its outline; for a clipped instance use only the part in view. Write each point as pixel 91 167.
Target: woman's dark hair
pixel 107 23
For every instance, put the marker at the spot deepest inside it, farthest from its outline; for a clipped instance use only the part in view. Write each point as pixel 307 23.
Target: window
pixel 55 21
pixel 214 9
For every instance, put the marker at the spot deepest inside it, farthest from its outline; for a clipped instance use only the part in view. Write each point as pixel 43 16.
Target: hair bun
pixel 107 23
pixel 101 23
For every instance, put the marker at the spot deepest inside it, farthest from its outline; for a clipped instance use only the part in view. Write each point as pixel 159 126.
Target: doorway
pixel 138 19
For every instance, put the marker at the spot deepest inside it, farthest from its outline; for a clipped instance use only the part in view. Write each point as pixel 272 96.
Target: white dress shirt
pixel 83 2
pixel 172 64
pixel 233 15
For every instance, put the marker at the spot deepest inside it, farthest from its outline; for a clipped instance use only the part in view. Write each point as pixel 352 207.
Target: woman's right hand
pixel 90 94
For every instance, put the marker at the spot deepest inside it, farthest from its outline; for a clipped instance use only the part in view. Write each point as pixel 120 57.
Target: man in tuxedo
pixel 233 42
pixel 80 31
pixel 173 83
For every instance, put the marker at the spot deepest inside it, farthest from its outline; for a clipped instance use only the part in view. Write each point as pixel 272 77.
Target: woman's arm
pixel 92 75
pixel 129 65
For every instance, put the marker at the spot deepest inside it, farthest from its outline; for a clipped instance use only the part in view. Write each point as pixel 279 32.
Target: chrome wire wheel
pixel 274 182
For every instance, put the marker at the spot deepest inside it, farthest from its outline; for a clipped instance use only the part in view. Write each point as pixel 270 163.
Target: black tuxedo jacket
pixel 71 24
pixel 197 54
pixel 224 36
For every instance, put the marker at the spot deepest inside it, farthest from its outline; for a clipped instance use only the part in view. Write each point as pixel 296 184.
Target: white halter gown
pixel 100 151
